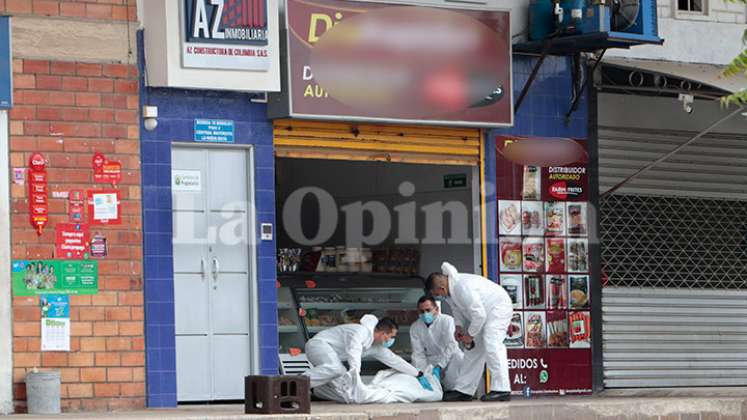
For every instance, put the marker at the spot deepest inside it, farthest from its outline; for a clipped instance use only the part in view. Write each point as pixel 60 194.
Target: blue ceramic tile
pixel 153 382
pixel 163 153
pixel 264 156
pixel 148 174
pixel 168 400
pixel 265 179
pixel 152 338
pixel 268 312
pixel 168 384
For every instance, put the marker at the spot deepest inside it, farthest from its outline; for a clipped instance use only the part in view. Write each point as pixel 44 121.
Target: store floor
pixel 680 404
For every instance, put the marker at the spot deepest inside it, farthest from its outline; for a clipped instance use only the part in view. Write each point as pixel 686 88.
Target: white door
pixel 212 216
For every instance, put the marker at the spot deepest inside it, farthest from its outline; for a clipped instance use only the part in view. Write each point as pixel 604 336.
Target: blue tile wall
pixel 542 114
pixel 177 110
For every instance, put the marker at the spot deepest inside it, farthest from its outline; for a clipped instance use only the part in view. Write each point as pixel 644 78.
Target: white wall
pixel 713 38
pixel 350 182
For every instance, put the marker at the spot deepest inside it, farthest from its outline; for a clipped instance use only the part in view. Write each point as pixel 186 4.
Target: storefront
pixel 368 203
pixel 208 197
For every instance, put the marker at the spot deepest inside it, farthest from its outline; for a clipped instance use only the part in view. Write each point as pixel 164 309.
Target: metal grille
pixel 674 242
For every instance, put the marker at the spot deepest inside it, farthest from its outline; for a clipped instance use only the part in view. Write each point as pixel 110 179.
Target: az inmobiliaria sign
pixel 365 61
pixel 225 34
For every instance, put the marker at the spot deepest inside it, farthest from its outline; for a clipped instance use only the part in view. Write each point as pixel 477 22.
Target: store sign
pixel 106 171
pixel 226 34
pixel 72 241
pixel 38 193
pixel 543 250
pixel 385 62
pixel 75 206
pixel 41 277
pixel 213 131
pixel 455 181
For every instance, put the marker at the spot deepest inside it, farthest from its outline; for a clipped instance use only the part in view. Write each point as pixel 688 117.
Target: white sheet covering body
pixel 388 386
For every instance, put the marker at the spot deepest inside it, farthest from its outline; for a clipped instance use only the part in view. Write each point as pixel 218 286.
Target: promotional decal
pixel 106 171
pixel 41 277
pixel 38 193
pixel 104 207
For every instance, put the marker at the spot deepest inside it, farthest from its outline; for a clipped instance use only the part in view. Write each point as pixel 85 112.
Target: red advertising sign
pixel 38 201
pixel 385 62
pixel 104 207
pixel 76 206
pixel 544 266
pixel 72 240
pixel 105 171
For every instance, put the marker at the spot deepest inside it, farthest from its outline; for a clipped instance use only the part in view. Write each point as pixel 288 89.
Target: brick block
pixel 119 313
pixel 26 313
pixel 104 298
pixel 33 66
pixel 108 359
pixel 133 359
pixel 88 99
pixel 119 13
pixel 101 85
pixel 54 359
pixel 119 71
pixel 92 313
pixel 126 86
pixel 118 344
pixel 46 7
pixel 99 11
pixel 73 9
pixel 93 344
pixel 30 360
pixel 88 69
pixel 62 98
pixel 26 329
pixel 48 82
pixel 95 374
pixel 121 404
pixel 133 389
pixel 101 115
pixel 70 374
pixel 78 390
pixel 75 84
pixel 105 328
pixel 107 390
pixel 119 374
pixel 81 359
pixel 94 405
pixel 63 68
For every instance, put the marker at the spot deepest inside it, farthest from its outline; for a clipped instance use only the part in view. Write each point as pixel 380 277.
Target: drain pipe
pixel 671 153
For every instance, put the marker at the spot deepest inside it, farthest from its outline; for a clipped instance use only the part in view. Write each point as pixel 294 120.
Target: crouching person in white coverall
pixel 487 310
pixel 433 343
pixel 351 342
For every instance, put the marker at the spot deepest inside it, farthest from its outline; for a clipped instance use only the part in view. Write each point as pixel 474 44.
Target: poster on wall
pixel 226 34
pixel 72 240
pixel 55 322
pixel 554 321
pixel 103 207
pixel 385 62
pixel 42 277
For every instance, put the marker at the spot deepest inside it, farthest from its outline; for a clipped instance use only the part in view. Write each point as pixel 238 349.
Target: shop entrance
pixel 357 237
pixel 213 272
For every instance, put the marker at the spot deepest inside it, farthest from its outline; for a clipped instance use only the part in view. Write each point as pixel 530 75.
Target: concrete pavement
pixel 699 404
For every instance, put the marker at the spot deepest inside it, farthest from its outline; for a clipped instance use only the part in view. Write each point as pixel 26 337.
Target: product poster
pixel 544 267
pixel 55 322
pixel 55 334
pixel 72 240
pixel 41 277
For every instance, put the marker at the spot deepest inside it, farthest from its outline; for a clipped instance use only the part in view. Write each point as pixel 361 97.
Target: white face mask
pixel 388 343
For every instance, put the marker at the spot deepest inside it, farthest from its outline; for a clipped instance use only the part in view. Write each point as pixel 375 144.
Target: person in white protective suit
pixel 351 342
pixel 433 343
pixel 482 311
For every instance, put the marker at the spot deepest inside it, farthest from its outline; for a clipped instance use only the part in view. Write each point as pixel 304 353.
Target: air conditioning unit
pixel 594 24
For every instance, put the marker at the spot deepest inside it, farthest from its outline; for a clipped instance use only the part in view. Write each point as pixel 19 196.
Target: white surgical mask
pixel 389 343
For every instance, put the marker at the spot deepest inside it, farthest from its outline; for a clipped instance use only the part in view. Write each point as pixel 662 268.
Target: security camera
pixel 687 102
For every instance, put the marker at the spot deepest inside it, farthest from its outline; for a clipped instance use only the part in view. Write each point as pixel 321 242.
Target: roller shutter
pixel 388 143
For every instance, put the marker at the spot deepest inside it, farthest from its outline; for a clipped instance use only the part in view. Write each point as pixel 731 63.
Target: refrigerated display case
pixel 323 300
pixel 290 331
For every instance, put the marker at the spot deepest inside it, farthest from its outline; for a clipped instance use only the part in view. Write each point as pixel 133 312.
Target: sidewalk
pixel 680 404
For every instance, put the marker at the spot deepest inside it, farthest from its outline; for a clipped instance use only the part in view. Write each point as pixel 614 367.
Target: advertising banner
pixel 386 62
pixel 72 240
pixel 68 277
pixel 544 266
pixel 226 34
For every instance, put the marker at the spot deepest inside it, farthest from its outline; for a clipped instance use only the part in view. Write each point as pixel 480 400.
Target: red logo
pixel 559 190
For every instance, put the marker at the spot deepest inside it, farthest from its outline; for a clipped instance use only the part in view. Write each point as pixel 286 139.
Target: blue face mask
pixel 427 317
pixel 388 343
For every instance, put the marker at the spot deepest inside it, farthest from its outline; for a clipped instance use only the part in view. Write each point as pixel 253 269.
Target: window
pixel 691 6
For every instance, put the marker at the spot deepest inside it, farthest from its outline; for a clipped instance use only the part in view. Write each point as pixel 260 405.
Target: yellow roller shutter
pixel 389 143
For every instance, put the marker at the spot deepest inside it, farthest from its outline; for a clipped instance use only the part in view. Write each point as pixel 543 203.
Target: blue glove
pixel 437 373
pixel 424 382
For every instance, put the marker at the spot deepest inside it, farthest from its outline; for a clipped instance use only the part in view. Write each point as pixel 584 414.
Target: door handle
pixel 216 271
pixel 202 268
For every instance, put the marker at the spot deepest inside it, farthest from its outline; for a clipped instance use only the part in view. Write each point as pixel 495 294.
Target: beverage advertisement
pixel 543 238
pixel 66 277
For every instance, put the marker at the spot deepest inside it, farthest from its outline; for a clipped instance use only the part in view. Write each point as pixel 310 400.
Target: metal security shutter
pixel 714 166
pixel 389 143
pixel 656 337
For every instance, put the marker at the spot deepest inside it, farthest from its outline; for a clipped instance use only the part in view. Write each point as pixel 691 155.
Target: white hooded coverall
pixel 487 309
pixel 349 342
pixel 435 345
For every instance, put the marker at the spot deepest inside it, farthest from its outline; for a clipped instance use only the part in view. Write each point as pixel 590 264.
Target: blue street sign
pixel 6 64
pixel 214 131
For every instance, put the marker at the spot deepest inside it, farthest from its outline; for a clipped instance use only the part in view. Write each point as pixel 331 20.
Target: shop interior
pixel 425 214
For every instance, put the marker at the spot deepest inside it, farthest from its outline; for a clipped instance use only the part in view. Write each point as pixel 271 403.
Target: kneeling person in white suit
pixel 351 342
pixel 433 343
pixel 482 311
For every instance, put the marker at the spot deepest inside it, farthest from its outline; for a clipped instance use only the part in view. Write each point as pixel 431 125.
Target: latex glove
pixel 424 382
pixel 437 373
